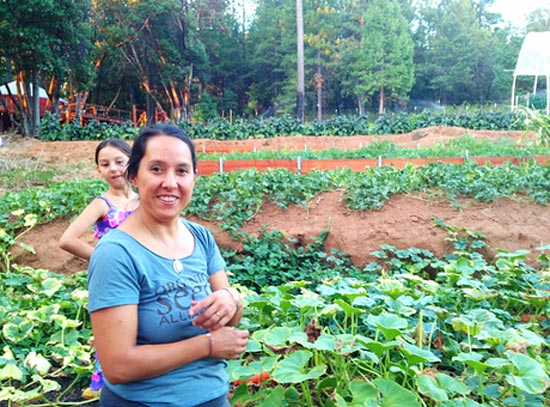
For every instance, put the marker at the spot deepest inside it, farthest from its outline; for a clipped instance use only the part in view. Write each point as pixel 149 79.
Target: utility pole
pixel 300 80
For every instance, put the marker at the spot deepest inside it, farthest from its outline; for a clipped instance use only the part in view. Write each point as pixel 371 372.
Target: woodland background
pixel 196 60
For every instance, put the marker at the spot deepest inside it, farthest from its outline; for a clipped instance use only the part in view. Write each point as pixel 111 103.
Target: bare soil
pixel 404 221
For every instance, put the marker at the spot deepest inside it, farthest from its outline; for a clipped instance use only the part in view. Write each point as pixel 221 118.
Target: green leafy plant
pixel 537 121
pixel 271 259
pixel 401 337
pixel 44 335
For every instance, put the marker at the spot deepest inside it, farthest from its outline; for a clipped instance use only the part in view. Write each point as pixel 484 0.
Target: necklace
pixel 176 263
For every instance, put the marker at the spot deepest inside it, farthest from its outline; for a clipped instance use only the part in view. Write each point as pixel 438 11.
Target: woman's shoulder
pixel 201 232
pixel 116 237
pixel 195 227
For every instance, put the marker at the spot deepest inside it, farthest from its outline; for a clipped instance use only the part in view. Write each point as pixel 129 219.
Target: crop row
pixel 409 329
pixel 305 166
pixel 233 197
pixel 222 129
pixel 277 149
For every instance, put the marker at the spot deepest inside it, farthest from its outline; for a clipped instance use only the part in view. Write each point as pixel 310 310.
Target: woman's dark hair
pixel 161 129
pixel 113 142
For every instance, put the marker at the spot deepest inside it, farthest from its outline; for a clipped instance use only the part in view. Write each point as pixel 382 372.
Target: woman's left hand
pixel 214 311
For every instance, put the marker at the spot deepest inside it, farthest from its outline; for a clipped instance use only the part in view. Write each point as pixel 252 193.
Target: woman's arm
pixel 71 241
pixel 115 332
pixel 222 308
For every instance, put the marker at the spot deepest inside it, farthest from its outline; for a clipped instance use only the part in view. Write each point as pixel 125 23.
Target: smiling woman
pixel 162 311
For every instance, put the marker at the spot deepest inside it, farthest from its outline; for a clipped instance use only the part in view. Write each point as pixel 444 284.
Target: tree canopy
pixel 198 60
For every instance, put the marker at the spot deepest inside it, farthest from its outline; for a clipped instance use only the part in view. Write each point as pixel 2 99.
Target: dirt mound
pixel 404 221
pixel 73 152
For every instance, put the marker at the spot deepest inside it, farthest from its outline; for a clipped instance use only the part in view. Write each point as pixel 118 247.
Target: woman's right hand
pixel 228 342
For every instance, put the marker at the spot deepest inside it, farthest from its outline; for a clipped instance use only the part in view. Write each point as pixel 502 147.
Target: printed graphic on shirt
pixel 173 298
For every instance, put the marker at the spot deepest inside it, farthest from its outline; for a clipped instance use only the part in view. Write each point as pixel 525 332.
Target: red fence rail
pixel 305 166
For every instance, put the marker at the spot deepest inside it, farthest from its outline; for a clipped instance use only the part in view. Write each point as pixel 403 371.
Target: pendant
pixel 177 266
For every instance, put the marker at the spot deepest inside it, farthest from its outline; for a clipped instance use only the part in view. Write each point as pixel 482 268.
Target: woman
pixel 162 311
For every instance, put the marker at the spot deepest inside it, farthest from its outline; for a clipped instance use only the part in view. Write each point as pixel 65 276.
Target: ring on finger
pixel 218 314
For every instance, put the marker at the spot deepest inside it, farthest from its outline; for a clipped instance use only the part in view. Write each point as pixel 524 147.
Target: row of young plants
pixel 232 198
pixel 214 196
pixel 409 329
pixel 27 173
pixel 241 129
pixel 464 146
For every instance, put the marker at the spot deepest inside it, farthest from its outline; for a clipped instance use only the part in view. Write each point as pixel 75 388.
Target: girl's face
pixel 111 166
pixel 165 178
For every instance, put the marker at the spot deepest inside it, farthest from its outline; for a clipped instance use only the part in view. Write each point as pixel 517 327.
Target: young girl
pixel 104 213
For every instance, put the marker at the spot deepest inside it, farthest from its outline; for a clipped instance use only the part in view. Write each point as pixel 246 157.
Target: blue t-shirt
pixel 122 271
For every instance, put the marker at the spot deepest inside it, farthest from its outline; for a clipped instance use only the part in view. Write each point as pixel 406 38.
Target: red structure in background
pixel 105 114
pixel 8 105
pixel 68 111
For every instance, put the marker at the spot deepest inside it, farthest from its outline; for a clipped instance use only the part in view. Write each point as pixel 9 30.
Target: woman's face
pixel 165 178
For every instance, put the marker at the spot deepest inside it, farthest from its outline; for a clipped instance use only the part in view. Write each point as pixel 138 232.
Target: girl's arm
pixel 122 360
pixel 71 239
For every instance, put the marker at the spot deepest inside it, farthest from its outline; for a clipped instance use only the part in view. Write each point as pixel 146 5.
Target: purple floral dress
pixel 111 221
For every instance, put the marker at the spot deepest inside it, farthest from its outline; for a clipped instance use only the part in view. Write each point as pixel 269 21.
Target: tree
pixel 503 54
pixel 379 54
pixel 322 21
pixel 181 53
pixel 228 68
pixel 453 57
pixel 272 39
pixel 41 39
pixel 538 20
pixel 149 36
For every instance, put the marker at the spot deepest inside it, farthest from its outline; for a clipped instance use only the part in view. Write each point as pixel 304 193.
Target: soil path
pixel 404 221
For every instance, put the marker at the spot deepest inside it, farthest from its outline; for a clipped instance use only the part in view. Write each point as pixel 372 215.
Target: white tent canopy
pixel 534 60
pixel 12 86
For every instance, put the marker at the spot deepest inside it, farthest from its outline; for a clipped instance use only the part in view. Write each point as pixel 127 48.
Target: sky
pixel 515 11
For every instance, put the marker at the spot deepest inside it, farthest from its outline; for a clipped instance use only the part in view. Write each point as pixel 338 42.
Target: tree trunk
pixel 26 105
pixel 150 109
pixel 319 86
pixel 35 115
pixel 382 101
pixel 361 105
pixel 54 96
pixel 80 100
pixel 300 50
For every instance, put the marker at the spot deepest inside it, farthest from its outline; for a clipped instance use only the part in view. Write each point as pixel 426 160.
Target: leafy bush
pixel 45 332
pixel 537 121
pixel 271 259
pixel 52 130
pixel 402 338
pixel 223 129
